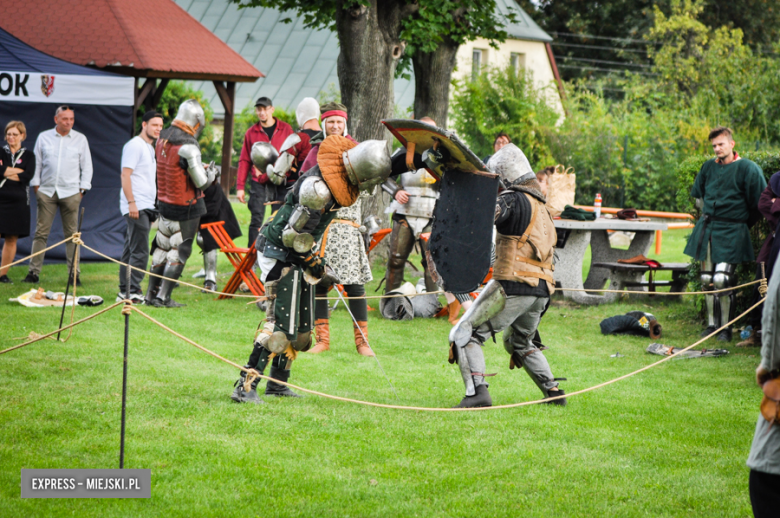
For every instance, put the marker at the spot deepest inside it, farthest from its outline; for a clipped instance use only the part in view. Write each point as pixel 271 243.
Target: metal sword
pixel 369 345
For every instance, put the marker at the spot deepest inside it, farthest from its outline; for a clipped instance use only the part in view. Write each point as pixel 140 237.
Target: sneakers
pixel 32 278
pixel 136 298
pixel 5 280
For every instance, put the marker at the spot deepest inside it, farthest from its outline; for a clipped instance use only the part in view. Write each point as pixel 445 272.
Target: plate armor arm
pixel 391 187
pixel 313 196
pixel 277 172
pixel 201 176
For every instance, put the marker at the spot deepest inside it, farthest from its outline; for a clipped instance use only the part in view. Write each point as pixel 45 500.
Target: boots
pixel 556 393
pixel 480 399
pixel 453 309
pixel 322 336
pixel 239 395
pixel 361 339
pixel 275 389
pixel 154 283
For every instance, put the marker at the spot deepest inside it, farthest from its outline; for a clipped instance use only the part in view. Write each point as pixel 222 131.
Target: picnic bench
pixel 575 238
pixel 632 277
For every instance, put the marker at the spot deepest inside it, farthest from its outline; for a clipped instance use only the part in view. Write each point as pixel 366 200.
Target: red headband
pixel 331 113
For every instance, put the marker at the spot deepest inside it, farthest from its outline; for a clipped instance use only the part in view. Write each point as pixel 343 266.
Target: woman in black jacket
pixel 17 167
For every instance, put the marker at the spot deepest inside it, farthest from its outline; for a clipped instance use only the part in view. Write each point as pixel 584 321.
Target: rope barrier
pixel 23 259
pixel 255 374
pixel 74 324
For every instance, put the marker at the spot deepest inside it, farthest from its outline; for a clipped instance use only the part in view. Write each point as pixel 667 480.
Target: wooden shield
pixel 423 136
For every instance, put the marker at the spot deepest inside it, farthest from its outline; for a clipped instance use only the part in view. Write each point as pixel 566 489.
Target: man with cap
pixel 288 258
pixel 181 179
pixel 514 300
pixel 271 130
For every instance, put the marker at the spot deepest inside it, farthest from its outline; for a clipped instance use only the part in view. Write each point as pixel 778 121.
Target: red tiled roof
pixel 154 38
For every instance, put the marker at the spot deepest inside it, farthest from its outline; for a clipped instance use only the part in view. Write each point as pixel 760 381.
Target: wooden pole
pixel 124 374
pixel 227 95
pixel 70 276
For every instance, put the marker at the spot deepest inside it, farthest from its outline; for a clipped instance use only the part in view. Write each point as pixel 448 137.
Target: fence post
pixel 124 373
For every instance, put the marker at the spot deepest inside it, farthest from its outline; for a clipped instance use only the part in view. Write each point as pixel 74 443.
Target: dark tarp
pixel 106 126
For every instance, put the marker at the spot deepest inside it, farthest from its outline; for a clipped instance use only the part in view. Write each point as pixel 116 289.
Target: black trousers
pixel 135 251
pixel 358 307
pixel 256 205
pixel 764 494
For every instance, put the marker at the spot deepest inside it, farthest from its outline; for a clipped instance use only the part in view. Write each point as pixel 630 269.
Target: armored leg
pixel 430 284
pixel 182 235
pixel 518 342
pixel 710 301
pixel 401 243
pixel 724 278
pixel 210 266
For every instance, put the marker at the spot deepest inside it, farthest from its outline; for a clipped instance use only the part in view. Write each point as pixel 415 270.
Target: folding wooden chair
pixel 242 259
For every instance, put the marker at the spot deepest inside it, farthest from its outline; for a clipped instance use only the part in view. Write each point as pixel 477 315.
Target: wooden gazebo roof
pixel 140 38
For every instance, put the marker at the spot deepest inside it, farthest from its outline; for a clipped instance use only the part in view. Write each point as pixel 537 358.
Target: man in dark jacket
pixel 268 129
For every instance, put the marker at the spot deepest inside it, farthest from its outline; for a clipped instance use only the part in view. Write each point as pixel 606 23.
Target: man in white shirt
pixel 136 202
pixel 63 173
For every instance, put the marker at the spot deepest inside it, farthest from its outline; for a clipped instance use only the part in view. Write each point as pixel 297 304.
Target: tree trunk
pixel 432 76
pixel 370 49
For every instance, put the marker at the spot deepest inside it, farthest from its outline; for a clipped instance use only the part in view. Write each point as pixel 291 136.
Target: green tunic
pixel 730 192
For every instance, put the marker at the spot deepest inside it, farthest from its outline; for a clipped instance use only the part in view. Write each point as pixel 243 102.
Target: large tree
pixel 373 36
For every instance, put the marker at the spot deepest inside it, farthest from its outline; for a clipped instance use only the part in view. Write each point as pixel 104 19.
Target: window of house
pixel 517 61
pixel 477 62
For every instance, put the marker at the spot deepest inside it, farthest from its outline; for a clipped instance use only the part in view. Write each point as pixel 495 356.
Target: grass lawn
pixel 669 442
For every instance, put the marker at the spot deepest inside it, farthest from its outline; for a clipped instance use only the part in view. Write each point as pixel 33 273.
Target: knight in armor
pixel 181 177
pixel 727 191
pixel 288 259
pixel 414 194
pixel 514 299
pixel 218 208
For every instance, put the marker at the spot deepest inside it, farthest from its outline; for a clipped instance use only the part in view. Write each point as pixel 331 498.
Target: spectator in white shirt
pixel 63 173
pixel 136 202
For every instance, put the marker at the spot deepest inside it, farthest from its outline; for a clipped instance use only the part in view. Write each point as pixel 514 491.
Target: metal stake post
pixel 124 376
pixel 70 275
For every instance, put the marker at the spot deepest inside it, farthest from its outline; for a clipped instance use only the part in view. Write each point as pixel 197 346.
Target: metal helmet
pixel 307 110
pixel 263 154
pixel 191 113
pixel 511 165
pixel 367 164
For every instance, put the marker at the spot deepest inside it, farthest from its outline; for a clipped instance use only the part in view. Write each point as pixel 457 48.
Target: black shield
pixel 462 235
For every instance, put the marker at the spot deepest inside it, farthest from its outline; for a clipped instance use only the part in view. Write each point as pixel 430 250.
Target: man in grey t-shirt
pixel 136 202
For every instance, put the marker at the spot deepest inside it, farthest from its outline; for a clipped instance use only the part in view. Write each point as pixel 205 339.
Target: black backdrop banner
pixel 104 115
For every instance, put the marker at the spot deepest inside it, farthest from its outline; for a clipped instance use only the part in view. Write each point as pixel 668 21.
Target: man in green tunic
pixel 727 190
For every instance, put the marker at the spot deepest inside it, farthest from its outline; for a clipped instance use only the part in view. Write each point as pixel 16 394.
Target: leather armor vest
pixel 528 258
pixel 174 185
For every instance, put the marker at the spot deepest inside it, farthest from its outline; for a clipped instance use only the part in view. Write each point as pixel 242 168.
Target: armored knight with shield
pixel 181 178
pixel 288 258
pixel 414 194
pixel 514 300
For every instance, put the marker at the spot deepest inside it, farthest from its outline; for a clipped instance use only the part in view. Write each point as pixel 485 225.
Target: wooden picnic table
pixel 580 234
